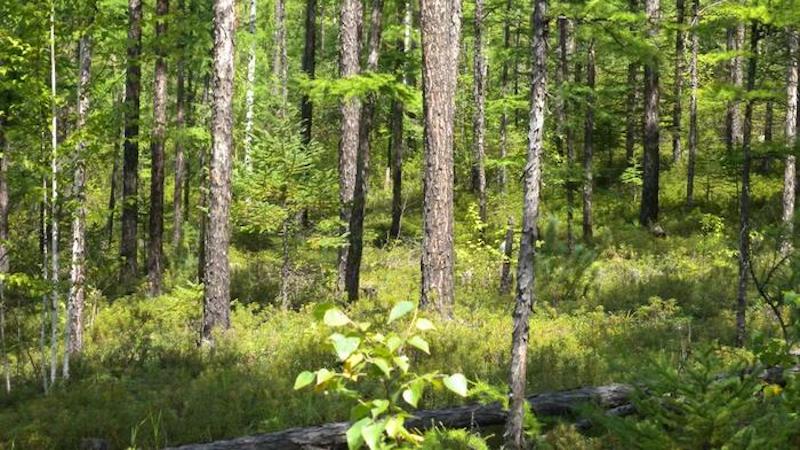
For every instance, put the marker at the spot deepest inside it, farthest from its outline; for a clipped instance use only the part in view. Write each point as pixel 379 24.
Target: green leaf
pixel 420 343
pixel 344 346
pixel 457 383
pixel 393 343
pixel 323 375
pixel 335 318
pixel 359 411
pixel 423 324
pixel 414 392
pixel 354 438
pixel 304 379
pixel 401 362
pixel 379 406
pixel 382 364
pixel 372 434
pixel 400 310
pixel 394 425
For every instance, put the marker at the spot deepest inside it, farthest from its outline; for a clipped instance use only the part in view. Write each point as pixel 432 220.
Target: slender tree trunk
pixel 44 244
pixel 789 173
pixel 398 113
pixel 632 100
pixel 526 270
pixel 216 307
pixel 690 167
pixel 678 86
pixel 588 144
pixel 733 119
pixel 648 213
pixel 309 65
pixel 180 157
pixel 566 134
pixel 77 294
pixel 441 28
pixel 349 54
pixel 508 251
pixel 4 250
pixel 250 92
pixel 353 269
pixel 502 173
pixel 112 194
pixel 744 205
pixel 130 169
pixel 280 62
pixel 479 114
pixel 155 254
pixel 53 204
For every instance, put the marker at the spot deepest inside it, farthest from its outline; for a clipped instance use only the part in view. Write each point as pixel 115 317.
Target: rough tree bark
pixel 789 173
pixel 588 144
pixel 744 200
pixel 648 214
pixel 441 29
pixel 690 165
pixel 216 306
pixel 353 269
pixel 678 86
pixel 349 54
pixel 250 89
pixel 309 66
pixel 155 254
pixel 130 168
pixel 77 294
pixel 180 156
pixel 479 75
pixel 526 272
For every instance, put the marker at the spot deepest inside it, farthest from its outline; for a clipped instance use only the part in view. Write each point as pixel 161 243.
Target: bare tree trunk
pixel 678 86
pixel 349 54
pixel 631 101
pixel 4 251
pixel 309 65
pixel 280 62
pixel 216 306
pixel 44 243
pixel 155 254
pixel 112 194
pixel 353 269
pixel 398 113
pixel 690 167
pixel 588 144
pixel 479 114
pixel 733 120
pixel 53 204
pixel 180 157
pixel 441 29
pixel 502 173
pixel 648 213
pixel 565 133
pixel 508 250
pixel 789 173
pixel 744 204
pixel 77 295
pixel 526 270
pixel 130 169
pixel 250 92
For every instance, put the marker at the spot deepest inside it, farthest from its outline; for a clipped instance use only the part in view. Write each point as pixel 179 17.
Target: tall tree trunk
pixel 54 255
pixel 690 166
pixel 648 214
pixel 526 269
pixel 130 168
pixel 502 173
pixel 441 28
pixel 789 173
pixel 77 294
pixel 566 133
pixel 632 100
pixel 508 250
pixel 250 90
pixel 353 269
pixel 479 114
pixel 180 157
pixel 216 307
pixel 733 119
pixel 44 243
pixel 112 194
pixel 349 54
pixel 744 201
pixel 309 65
pixel 678 86
pixel 4 251
pixel 279 62
pixel 588 144
pixel 155 254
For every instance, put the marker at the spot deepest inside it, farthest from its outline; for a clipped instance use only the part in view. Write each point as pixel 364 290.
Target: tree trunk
pixel 441 29
pixel 678 86
pixel 280 63
pixel 744 201
pixel 349 54
pixel 180 157
pixel 130 169
pixel 502 173
pixel 690 166
pixel 631 101
pixel 479 114
pixel 250 89
pixel 566 134
pixel 588 144
pixel 398 114
pixel 54 255
pixel 648 214
pixel 4 251
pixel 526 270
pixel 789 175
pixel 216 307
pixel 353 269
pixel 112 194
pixel 77 294
pixel 309 65
pixel 733 120
pixel 155 254
pixel 508 250
pixel 44 242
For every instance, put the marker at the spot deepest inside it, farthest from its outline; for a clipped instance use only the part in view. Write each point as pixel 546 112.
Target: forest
pixel 395 224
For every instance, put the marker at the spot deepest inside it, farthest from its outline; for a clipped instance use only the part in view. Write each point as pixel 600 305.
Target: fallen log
pixel 612 398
